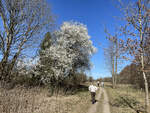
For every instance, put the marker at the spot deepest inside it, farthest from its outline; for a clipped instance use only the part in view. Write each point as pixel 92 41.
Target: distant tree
pixel 77 79
pixel 107 79
pixel 112 54
pixel 82 78
pixel 131 74
pixel 91 79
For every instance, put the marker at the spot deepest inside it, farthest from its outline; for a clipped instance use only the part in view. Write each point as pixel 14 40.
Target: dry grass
pixel 36 100
pixel 126 99
pixel 83 105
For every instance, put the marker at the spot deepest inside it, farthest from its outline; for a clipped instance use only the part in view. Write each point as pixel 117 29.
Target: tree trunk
pixel 147 106
pixel 113 74
pixel 116 62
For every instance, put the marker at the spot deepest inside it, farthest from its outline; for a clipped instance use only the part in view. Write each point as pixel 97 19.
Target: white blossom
pixel 72 45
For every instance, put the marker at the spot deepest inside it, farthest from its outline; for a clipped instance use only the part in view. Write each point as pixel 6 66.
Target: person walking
pixel 102 84
pixel 93 90
pixel 98 83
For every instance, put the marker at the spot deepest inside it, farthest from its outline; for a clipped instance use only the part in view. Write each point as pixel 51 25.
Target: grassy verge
pixel 125 99
pixel 36 100
pixel 83 104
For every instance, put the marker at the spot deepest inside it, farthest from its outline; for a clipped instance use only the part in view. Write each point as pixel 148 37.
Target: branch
pixel 2 44
pixel 3 17
pixel 17 55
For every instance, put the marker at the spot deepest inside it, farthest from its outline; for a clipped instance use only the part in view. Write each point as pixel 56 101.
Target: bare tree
pixel 112 55
pixel 23 21
pixel 109 56
pixel 137 16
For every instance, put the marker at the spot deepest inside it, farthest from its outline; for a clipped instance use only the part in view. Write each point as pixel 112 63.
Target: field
pixel 37 100
pixel 122 99
pixel 126 99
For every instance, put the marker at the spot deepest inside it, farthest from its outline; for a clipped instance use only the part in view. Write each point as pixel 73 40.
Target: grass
pixel 36 100
pixel 83 104
pixel 125 99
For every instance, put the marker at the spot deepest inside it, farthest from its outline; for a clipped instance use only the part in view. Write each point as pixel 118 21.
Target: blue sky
pixel 95 14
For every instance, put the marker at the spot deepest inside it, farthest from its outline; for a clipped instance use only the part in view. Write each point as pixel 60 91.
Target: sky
pixel 96 15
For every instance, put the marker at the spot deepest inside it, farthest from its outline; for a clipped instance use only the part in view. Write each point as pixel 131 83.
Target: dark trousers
pixel 93 97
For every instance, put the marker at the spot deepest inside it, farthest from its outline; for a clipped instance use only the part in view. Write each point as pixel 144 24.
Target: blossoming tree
pixel 70 52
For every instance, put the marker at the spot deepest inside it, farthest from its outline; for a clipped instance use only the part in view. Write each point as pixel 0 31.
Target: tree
pixel 45 62
pixel 131 74
pixel 70 52
pixel 29 74
pixel 91 79
pixel 138 24
pixel 23 22
pixel 112 54
pixel 46 43
pixel 110 61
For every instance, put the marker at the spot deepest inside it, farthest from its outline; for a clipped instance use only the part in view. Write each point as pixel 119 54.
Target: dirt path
pixel 105 104
pixel 106 107
pixel 93 108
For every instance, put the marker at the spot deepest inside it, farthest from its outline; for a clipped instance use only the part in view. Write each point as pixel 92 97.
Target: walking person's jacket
pixel 92 88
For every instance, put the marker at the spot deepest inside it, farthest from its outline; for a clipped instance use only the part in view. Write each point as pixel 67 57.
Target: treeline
pixel 131 74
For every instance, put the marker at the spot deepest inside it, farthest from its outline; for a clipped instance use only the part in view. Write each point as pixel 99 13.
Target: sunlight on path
pixel 106 107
